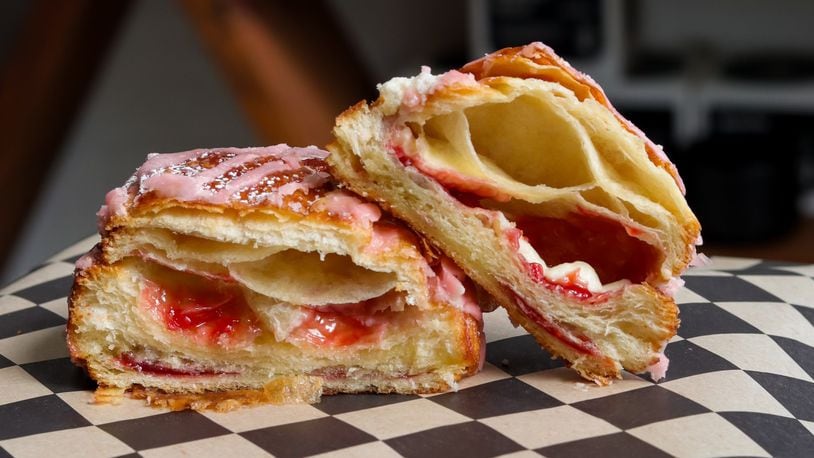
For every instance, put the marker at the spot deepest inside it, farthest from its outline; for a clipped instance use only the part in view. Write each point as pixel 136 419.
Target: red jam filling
pixel 209 312
pixel 610 247
pixel 156 368
pixel 324 328
pixel 401 155
pixel 346 324
pixel 601 242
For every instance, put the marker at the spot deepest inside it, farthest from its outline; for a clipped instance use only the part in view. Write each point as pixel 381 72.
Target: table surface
pixel 740 383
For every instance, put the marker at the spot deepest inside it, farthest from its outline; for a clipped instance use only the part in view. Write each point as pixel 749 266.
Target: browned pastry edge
pixel 281 390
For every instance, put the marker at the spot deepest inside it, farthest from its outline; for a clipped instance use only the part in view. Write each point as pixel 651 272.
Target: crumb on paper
pixel 581 386
pixel 504 362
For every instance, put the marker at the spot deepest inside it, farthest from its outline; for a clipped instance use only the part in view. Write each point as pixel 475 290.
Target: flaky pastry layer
pixel 518 168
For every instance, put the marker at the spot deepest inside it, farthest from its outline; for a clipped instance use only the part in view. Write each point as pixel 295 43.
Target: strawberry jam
pixel 347 324
pixel 332 329
pixel 603 243
pixel 208 311
pixel 156 368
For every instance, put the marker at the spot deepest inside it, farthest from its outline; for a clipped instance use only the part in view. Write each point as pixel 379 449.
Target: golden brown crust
pixel 280 390
pixel 472 341
pixel 299 204
pixel 78 357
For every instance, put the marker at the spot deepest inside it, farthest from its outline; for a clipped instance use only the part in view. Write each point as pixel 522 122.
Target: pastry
pixel 231 276
pixel 518 168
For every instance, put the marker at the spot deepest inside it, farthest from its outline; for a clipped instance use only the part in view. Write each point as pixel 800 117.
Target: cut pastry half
pixel 239 276
pixel 520 170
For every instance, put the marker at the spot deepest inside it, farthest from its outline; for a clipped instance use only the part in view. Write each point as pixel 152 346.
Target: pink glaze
pixel 217 176
pixel 453 77
pixel 115 201
pixel 671 287
pixel 659 370
pixel 386 237
pixel 85 262
pixel 700 260
pixel 414 97
pixel 349 207
pixel 448 287
pixel 309 182
pixel 177 182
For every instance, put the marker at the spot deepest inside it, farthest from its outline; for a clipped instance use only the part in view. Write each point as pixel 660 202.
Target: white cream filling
pixel 559 273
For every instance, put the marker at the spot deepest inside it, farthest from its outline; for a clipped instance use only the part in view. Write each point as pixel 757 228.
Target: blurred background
pixel 87 88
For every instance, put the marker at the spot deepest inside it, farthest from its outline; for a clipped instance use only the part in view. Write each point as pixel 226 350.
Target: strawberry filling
pixel 609 247
pixel 346 324
pixel 209 312
pixel 156 368
pixel 605 244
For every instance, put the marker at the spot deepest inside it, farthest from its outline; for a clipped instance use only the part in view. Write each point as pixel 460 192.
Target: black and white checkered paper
pixel 740 384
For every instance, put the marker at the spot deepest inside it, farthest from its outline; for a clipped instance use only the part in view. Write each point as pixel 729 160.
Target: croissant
pixel 518 168
pixel 227 277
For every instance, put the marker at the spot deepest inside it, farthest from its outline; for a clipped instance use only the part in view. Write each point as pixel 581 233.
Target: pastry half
pixel 520 170
pixel 237 276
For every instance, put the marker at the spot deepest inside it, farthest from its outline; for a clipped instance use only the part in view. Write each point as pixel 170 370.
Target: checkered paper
pixel 740 384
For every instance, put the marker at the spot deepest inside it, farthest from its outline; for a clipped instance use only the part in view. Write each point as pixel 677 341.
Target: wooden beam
pixel 43 81
pixel 289 64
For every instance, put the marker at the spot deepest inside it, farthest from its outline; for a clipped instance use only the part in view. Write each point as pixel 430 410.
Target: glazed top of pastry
pixel 280 177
